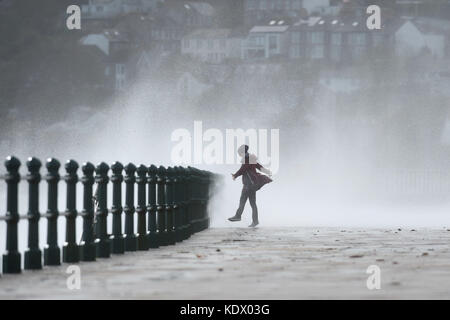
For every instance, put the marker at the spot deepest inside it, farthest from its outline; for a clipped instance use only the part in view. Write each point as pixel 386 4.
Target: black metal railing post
pixel 183 204
pixel 102 241
pixel 141 209
pixel 169 206
pixel 176 204
pixel 117 238
pixel 12 257
pixel 160 208
pixel 197 200
pixel 210 190
pixel 71 252
pixel 151 208
pixel 205 200
pixel 33 255
pixel 87 245
pixel 130 179
pixel 191 191
pixel 186 204
pixel 52 253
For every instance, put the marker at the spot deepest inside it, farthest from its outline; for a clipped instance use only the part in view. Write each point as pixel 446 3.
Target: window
pixel 261 41
pixel 335 53
pixel 362 39
pixel 199 44
pixel 357 39
pixel 273 43
pixel 279 4
pixel 317 52
pixel 120 69
pixel 251 4
pixel 287 5
pixel 223 43
pixel 210 44
pixel 295 51
pixel 317 37
pixel 263 4
pixel 256 41
pixel 186 43
pixel 119 83
pixel 336 39
pixel 296 5
pixel 99 8
pixel 295 37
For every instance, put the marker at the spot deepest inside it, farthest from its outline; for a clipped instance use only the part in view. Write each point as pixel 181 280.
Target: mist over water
pixel 323 179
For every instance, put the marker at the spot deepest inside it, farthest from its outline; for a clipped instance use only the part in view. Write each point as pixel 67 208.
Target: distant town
pixel 133 37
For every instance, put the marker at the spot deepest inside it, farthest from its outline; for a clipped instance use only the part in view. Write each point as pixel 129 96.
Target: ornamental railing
pixel 172 204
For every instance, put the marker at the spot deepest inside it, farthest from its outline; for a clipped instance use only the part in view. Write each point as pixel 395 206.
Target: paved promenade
pixel 262 263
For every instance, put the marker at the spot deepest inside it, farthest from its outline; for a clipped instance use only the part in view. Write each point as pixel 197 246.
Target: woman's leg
pixel 252 199
pixel 242 201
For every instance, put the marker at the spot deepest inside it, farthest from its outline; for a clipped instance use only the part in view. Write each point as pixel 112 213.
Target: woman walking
pixel 252 181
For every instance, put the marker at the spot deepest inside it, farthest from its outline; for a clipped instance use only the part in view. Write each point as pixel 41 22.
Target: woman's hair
pixel 243 149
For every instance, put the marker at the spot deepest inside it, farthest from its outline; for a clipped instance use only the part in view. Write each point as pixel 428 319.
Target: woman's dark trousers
pixel 251 195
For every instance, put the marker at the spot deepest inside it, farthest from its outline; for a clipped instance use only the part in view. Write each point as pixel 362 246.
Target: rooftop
pixel 115 35
pixel 331 24
pixel 273 28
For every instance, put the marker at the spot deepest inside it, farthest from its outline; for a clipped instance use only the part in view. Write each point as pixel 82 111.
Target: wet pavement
pixel 261 263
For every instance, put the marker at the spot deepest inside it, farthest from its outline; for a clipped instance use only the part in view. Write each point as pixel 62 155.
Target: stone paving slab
pixel 261 263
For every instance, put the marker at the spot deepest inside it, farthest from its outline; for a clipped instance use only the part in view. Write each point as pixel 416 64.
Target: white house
pixel 114 45
pixel 211 45
pixel 415 37
pixel 99 40
pixel 109 41
pixel 266 41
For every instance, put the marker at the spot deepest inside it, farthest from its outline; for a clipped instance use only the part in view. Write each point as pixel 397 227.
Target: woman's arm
pixel 241 170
